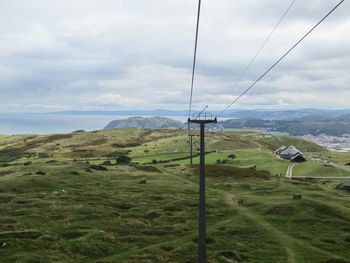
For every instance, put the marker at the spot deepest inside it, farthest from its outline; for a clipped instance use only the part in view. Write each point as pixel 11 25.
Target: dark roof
pixel 298 158
pixel 346 183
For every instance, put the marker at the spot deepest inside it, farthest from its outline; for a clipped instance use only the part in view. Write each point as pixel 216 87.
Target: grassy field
pixel 58 203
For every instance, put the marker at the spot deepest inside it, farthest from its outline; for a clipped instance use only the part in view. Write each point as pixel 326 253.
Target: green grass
pixel 160 157
pixel 312 168
pixel 73 213
pixel 341 158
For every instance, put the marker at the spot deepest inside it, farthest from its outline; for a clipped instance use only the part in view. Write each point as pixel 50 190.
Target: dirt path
pixel 289 243
pixel 289 173
pixel 282 238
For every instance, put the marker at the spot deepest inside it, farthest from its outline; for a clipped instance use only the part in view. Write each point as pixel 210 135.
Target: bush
pixel 116 154
pixel 231 156
pixel 146 168
pixel 40 173
pixel 7 155
pixel 51 161
pixel 98 167
pixel 126 145
pixel 43 155
pixel 123 160
pixel 154 161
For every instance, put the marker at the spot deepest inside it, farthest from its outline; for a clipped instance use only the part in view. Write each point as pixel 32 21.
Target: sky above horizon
pixel 132 54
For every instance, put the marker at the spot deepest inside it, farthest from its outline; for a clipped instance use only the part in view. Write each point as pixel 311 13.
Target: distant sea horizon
pixel 43 123
pixel 69 121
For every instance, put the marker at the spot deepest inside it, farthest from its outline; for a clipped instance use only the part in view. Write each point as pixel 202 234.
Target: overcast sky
pixel 136 54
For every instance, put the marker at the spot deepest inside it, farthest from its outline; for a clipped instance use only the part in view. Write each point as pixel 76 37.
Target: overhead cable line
pixel 261 47
pixel 194 57
pixel 199 114
pixel 279 60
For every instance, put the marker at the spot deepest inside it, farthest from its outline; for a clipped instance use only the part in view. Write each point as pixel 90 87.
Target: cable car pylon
pixel 202 119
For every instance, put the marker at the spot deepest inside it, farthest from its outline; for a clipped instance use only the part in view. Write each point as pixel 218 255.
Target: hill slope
pixel 147 123
pixel 62 201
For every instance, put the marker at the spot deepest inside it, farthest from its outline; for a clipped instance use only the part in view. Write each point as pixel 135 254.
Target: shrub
pixel 146 168
pixel 98 167
pixel 231 156
pixel 7 155
pixel 154 161
pixel 116 154
pixel 51 161
pixel 123 160
pixel 126 145
pixel 43 155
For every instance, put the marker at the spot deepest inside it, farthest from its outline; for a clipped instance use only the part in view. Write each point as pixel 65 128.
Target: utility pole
pixel 191 146
pixel 202 249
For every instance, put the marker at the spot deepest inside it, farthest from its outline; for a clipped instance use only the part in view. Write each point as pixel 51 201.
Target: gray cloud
pixel 124 54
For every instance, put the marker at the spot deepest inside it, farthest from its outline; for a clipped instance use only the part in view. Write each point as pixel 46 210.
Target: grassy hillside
pixel 59 204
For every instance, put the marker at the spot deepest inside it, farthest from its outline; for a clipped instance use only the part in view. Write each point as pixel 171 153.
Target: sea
pixel 42 123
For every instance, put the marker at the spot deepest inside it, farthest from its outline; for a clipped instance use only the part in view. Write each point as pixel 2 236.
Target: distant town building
pixel 290 153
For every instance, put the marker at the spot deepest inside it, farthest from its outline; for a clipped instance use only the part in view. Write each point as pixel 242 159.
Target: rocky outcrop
pixel 148 123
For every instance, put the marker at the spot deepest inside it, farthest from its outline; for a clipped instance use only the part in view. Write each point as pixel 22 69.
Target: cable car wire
pixel 194 57
pixel 261 47
pixel 279 60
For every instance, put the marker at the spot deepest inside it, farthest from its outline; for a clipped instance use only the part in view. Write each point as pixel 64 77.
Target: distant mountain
pixel 158 112
pixel 295 128
pixel 287 115
pixel 149 123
